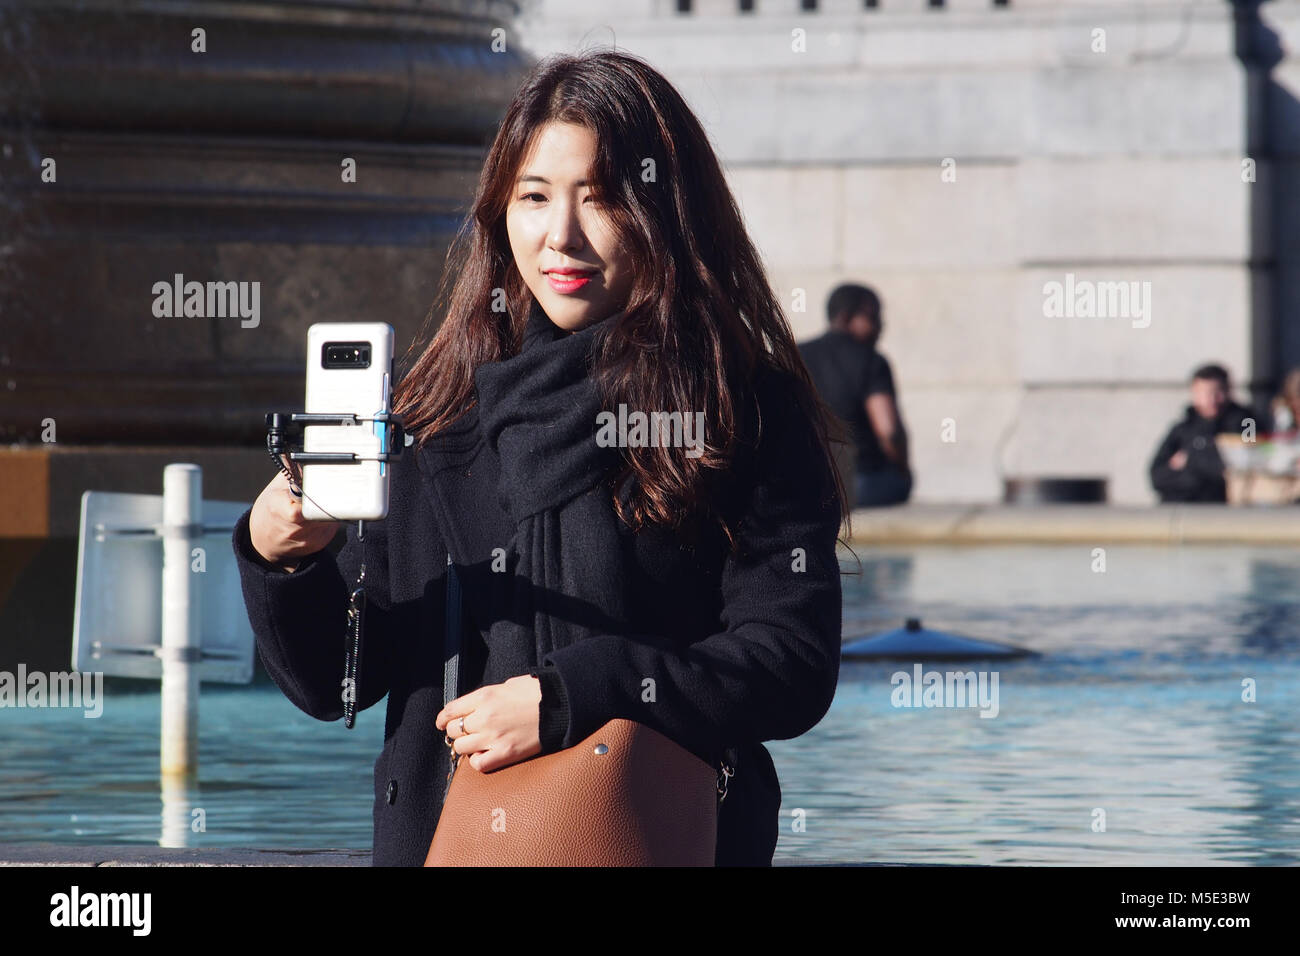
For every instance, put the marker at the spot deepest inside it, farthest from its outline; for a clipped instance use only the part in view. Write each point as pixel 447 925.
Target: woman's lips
pixel 566 282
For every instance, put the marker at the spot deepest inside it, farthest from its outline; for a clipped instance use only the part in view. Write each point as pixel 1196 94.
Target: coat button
pixel 392 791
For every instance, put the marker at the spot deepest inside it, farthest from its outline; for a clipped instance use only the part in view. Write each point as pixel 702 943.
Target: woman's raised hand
pixel 278 530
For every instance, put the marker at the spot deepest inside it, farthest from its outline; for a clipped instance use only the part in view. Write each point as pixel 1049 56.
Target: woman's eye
pixel 529 196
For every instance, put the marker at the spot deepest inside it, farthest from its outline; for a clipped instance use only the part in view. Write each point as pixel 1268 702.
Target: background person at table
pixel 1286 406
pixel 857 384
pixel 1187 465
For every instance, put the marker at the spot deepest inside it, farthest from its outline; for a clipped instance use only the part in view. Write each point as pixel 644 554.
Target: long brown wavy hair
pixel 700 316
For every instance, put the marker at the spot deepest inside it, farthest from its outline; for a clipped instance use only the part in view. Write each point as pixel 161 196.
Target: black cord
pixel 295 486
pixel 356 604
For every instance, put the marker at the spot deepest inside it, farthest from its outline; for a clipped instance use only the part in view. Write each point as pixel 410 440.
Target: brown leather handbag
pixel 625 796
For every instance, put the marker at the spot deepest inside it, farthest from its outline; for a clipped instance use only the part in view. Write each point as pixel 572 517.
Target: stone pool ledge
pixel 50 854
pixel 1066 523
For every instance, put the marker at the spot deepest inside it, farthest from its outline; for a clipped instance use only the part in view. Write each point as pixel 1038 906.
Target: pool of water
pixel 1126 742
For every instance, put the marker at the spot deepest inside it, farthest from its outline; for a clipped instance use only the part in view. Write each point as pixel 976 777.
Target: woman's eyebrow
pixel 527 177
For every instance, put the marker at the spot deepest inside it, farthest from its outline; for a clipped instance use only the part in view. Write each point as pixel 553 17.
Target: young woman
pixel 689 582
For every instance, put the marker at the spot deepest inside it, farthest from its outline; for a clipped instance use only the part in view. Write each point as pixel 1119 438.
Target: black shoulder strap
pixel 451 646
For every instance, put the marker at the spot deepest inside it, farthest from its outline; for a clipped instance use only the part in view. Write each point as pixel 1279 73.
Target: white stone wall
pixel 1122 165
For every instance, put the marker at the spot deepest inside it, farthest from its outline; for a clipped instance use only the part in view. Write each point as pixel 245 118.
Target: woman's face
pixel 555 222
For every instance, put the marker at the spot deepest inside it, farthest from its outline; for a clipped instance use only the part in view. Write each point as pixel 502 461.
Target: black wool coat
pixel 742 648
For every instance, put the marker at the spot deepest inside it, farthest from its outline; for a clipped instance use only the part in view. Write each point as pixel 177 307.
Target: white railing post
pixel 182 529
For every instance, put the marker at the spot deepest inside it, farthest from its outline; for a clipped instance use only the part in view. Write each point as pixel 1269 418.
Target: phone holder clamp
pixel 285 427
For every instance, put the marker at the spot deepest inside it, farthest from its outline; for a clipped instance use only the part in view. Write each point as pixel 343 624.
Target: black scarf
pixel 538 412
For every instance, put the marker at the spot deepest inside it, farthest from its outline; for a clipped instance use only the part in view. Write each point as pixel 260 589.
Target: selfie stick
pixel 392 439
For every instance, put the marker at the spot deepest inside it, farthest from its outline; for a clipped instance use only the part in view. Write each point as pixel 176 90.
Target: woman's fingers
pixel 457 723
pixel 469 743
pixel 459 727
pixel 462 706
pixel 502 755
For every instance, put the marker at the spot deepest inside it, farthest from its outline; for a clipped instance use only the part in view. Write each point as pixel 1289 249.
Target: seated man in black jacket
pixel 1187 466
pixel 857 384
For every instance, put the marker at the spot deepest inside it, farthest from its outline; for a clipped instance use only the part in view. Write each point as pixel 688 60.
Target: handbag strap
pixel 451 664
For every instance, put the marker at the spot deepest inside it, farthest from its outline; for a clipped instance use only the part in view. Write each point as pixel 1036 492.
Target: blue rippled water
pixel 1132 716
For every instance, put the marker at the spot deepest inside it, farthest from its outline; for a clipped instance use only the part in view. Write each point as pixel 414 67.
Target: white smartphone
pixel 349 370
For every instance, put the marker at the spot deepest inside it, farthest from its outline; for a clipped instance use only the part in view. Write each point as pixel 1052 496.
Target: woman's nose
pixel 565 233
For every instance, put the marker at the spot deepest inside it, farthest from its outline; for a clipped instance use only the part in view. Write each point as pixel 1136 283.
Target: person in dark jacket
pixel 1187 466
pixel 857 384
pixel 689 584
